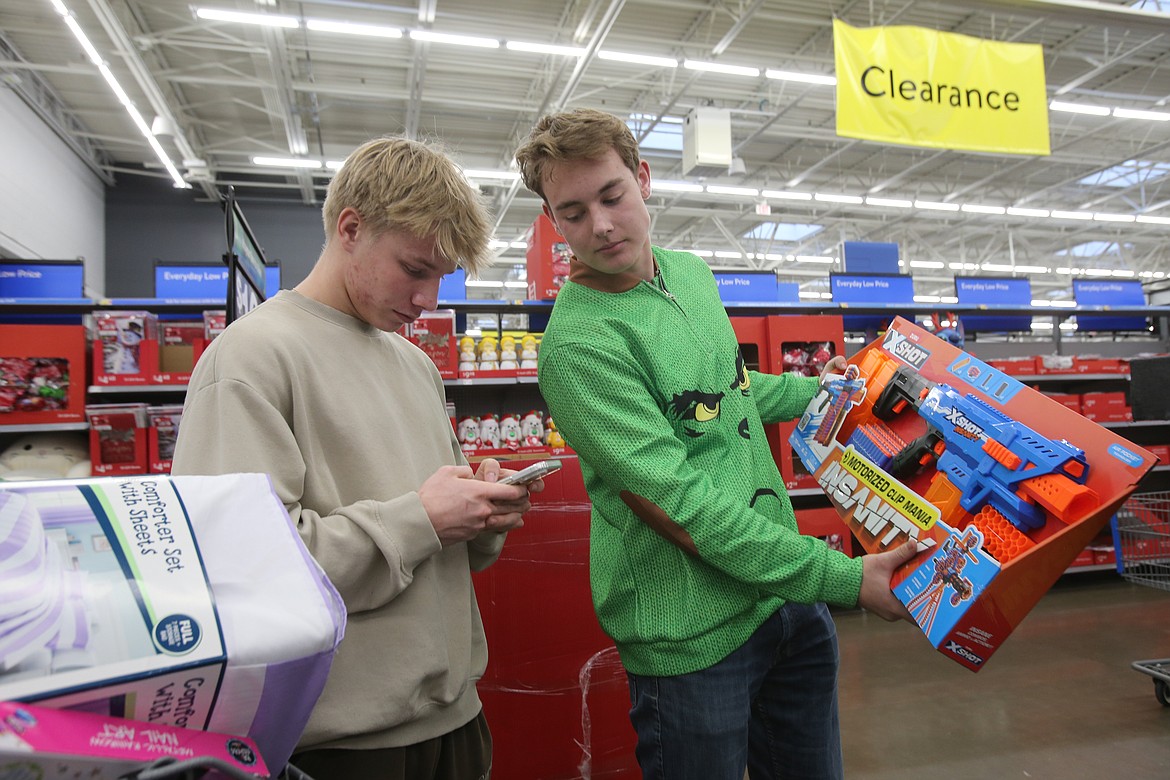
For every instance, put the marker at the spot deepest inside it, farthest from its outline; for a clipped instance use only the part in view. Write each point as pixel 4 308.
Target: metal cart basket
pixel 1142 541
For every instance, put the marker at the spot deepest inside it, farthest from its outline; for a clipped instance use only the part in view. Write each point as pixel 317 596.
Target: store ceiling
pixel 236 91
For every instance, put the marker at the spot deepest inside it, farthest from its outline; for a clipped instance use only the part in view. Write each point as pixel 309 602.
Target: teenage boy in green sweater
pixel 716 602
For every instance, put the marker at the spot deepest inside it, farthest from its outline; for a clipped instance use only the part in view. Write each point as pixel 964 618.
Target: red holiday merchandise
pixel 161 436
pixel 125 348
pixel 214 321
pixel 1000 486
pixel 548 260
pixel 180 344
pixel 117 438
pixel 434 333
pixel 42 374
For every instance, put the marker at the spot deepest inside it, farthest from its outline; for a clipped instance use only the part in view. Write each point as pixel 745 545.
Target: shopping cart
pixel 1141 535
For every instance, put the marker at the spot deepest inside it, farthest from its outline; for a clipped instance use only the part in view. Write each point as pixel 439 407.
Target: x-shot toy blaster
pixel 920 440
pixel 990 470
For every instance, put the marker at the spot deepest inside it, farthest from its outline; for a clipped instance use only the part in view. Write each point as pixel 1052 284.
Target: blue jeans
pixel 770 706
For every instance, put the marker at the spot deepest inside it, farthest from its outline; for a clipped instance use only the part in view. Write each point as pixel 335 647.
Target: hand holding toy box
pixel 1000 486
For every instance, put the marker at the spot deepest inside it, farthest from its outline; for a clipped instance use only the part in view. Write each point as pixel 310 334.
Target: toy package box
pixel 43 742
pixel 1000 486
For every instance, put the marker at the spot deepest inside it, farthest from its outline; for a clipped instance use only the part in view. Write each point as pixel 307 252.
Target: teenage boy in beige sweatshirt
pixel 316 389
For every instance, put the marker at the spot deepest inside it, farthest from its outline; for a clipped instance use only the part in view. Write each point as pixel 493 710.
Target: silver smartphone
pixel 532 473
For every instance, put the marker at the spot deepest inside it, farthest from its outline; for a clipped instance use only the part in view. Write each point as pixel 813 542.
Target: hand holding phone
pixel 532 473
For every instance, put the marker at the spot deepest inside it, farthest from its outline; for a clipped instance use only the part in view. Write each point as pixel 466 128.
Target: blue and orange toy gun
pixel 988 464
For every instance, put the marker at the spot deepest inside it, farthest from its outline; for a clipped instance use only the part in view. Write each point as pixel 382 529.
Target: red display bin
pixel 555 693
pixel 42 374
pixel 796 343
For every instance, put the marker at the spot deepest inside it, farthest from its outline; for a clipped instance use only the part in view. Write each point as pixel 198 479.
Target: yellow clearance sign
pixel 910 85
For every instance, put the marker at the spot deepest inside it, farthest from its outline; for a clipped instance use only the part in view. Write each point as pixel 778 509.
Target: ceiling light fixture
pixel 286 162
pixel 1071 214
pixel 637 59
pixel 1102 217
pixel 720 189
pixel 457 40
pixel 1078 108
pixel 976 208
pixel 1023 212
pixel 931 205
pixel 787 195
pixel 472 173
pixel 675 186
pixel 1133 113
pixel 263 20
pixel 829 197
pixel 545 48
pixel 353 28
pixel 804 78
pixel 123 98
pixel 719 67
pixel 891 202
pixel 1151 220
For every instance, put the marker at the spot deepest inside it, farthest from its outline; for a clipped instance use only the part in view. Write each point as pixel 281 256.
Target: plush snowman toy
pixel 532 429
pixel 468 433
pixel 489 431
pixel 510 431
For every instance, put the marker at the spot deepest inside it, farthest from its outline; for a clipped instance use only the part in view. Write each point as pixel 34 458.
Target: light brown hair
pixel 580 134
pixel 399 184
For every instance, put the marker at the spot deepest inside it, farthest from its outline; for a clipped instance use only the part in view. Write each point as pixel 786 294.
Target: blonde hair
pixel 580 134
pixel 399 184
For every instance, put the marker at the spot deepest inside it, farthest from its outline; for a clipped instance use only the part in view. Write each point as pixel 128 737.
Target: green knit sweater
pixel 693 541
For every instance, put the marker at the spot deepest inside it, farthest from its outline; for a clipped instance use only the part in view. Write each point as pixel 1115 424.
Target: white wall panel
pixel 51 205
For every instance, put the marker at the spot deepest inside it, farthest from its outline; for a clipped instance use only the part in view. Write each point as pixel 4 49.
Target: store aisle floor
pixel 1059 700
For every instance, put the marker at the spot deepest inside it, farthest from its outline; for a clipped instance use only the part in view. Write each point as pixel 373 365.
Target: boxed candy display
pixel 1000 486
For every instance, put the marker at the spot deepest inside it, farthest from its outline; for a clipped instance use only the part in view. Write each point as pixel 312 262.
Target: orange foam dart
pixel 1001 540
